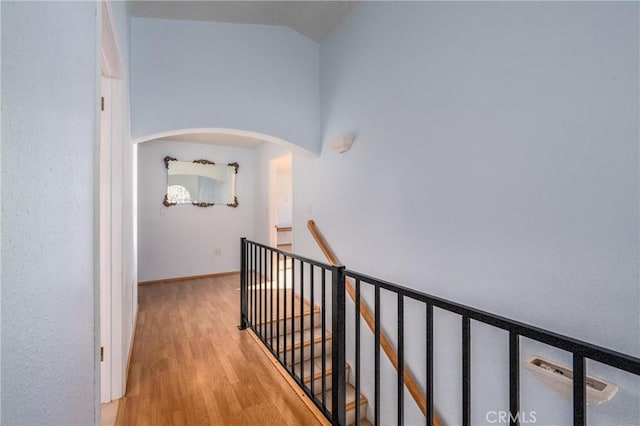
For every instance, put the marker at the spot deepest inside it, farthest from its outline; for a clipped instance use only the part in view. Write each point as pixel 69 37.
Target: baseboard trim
pixel 303 396
pixel 192 277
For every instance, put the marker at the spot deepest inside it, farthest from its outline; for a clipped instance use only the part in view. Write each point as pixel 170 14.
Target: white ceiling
pixel 314 19
pixel 216 139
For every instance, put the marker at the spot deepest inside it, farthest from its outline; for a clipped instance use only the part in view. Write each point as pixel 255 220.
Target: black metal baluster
pixel 400 359
pixel 284 301
pixel 429 395
pixel 263 282
pixel 264 291
pixel 323 307
pixel 264 294
pixel 256 277
pixel 338 386
pixel 466 371
pixel 293 315
pixel 271 319
pixel 249 286
pixel 514 378
pixel 357 352
pixel 255 302
pixel 278 304
pixel 260 294
pixel 243 284
pixel 377 356
pixel 312 324
pixel 579 400
pixel 302 322
pixel 255 289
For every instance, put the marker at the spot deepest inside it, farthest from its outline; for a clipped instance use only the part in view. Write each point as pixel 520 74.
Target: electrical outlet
pixel 217 252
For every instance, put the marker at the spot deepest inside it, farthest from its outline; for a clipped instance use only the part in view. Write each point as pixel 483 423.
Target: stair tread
pixel 306 371
pixel 317 370
pixel 287 316
pixel 351 406
pixel 306 339
pixel 279 312
pixel 350 397
pixel 327 360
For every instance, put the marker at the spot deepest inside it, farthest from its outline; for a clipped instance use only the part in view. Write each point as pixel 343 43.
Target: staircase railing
pixel 257 267
pixel 381 338
pixel 273 305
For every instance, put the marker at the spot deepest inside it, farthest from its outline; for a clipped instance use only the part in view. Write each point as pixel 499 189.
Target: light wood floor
pixel 192 366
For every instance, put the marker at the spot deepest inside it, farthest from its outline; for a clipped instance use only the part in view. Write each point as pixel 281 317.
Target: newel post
pixel 338 347
pixel 243 284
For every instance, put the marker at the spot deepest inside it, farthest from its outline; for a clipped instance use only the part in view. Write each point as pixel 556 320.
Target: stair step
pixel 317 372
pixel 305 343
pixel 290 321
pixel 351 404
pixel 263 293
pixel 275 314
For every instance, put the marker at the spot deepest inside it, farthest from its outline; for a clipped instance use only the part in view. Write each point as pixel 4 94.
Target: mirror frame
pixel 168 203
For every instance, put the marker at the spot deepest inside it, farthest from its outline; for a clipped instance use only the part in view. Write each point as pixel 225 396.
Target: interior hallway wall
pixel 182 240
pixel 495 164
pixel 259 78
pixel 49 133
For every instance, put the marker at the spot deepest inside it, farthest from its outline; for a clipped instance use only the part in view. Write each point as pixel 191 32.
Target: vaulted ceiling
pixel 314 19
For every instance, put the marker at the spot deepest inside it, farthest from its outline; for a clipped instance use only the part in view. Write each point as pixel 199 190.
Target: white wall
pixel 180 241
pixel 49 105
pixel 248 77
pixel 511 133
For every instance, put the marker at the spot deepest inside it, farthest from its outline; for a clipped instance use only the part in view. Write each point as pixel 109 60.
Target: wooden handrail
pixel 409 381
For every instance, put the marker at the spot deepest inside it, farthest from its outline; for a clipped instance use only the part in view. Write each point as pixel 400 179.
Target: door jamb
pixel 110 328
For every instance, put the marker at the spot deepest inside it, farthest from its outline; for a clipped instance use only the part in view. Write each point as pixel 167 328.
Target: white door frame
pixel 104 238
pixel 273 191
pixel 110 216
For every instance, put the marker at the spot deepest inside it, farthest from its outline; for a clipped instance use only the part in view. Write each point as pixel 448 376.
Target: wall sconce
pixel 342 144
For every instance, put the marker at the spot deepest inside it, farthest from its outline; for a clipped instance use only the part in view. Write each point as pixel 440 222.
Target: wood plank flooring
pixel 192 366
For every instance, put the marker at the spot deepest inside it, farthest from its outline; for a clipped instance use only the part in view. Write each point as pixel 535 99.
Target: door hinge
pixel 102 103
pixel 101 353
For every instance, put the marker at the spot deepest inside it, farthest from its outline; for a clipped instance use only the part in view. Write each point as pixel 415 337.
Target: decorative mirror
pixel 201 183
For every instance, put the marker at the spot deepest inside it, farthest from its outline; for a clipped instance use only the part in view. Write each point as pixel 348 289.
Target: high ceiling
pixel 314 19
